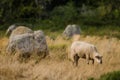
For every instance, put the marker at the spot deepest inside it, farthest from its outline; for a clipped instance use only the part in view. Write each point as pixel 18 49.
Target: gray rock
pixel 10 29
pixel 25 42
pixel 22 44
pixel 15 29
pixel 71 30
pixel 21 30
pixel 40 44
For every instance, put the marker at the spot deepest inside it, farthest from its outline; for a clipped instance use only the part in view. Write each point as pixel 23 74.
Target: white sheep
pixel 84 50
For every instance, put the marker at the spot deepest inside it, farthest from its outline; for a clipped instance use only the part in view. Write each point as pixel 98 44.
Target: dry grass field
pixel 57 66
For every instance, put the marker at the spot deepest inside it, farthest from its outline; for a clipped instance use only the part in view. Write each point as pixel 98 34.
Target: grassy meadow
pixel 58 66
pixel 99 21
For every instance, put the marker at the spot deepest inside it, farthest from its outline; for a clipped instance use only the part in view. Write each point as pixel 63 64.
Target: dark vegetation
pixel 54 15
pixel 109 76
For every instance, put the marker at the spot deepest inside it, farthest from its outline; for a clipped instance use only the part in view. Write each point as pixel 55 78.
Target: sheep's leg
pixel 76 58
pixel 72 59
pixel 92 61
pixel 87 58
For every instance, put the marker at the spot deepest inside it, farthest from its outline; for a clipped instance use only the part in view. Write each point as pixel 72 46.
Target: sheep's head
pixel 98 58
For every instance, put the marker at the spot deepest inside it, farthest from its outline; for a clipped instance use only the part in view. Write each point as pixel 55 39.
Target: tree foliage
pixel 85 11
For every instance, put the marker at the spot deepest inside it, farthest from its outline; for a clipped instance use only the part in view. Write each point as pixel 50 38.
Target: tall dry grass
pixel 58 67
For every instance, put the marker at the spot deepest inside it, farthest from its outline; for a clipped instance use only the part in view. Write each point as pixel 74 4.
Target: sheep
pixel 84 50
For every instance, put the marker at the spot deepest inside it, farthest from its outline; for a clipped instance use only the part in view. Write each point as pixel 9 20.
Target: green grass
pixel 53 30
pixel 111 76
pixel 115 75
pixel 110 31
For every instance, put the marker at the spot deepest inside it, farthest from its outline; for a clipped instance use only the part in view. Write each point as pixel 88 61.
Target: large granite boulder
pixel 22 44
pixel 40 44
pixel 25 42
pixel 20 30
pixel 16 29
pixel 71 30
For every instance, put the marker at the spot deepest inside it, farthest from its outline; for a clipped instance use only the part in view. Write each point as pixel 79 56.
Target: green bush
pixel 111 76
pixel 64 15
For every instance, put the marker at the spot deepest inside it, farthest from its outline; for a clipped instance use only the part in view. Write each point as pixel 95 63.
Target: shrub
pixel 63 15
pixel 111 76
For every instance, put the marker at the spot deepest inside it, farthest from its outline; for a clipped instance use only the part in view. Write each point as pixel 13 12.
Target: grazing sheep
pixel 84 50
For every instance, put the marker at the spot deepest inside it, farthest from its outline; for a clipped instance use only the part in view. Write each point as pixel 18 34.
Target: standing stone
pixel 21 30
pixel 25 42
pixel 22 44
pixel 10 29
pixel 40 44
pixel 71 30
